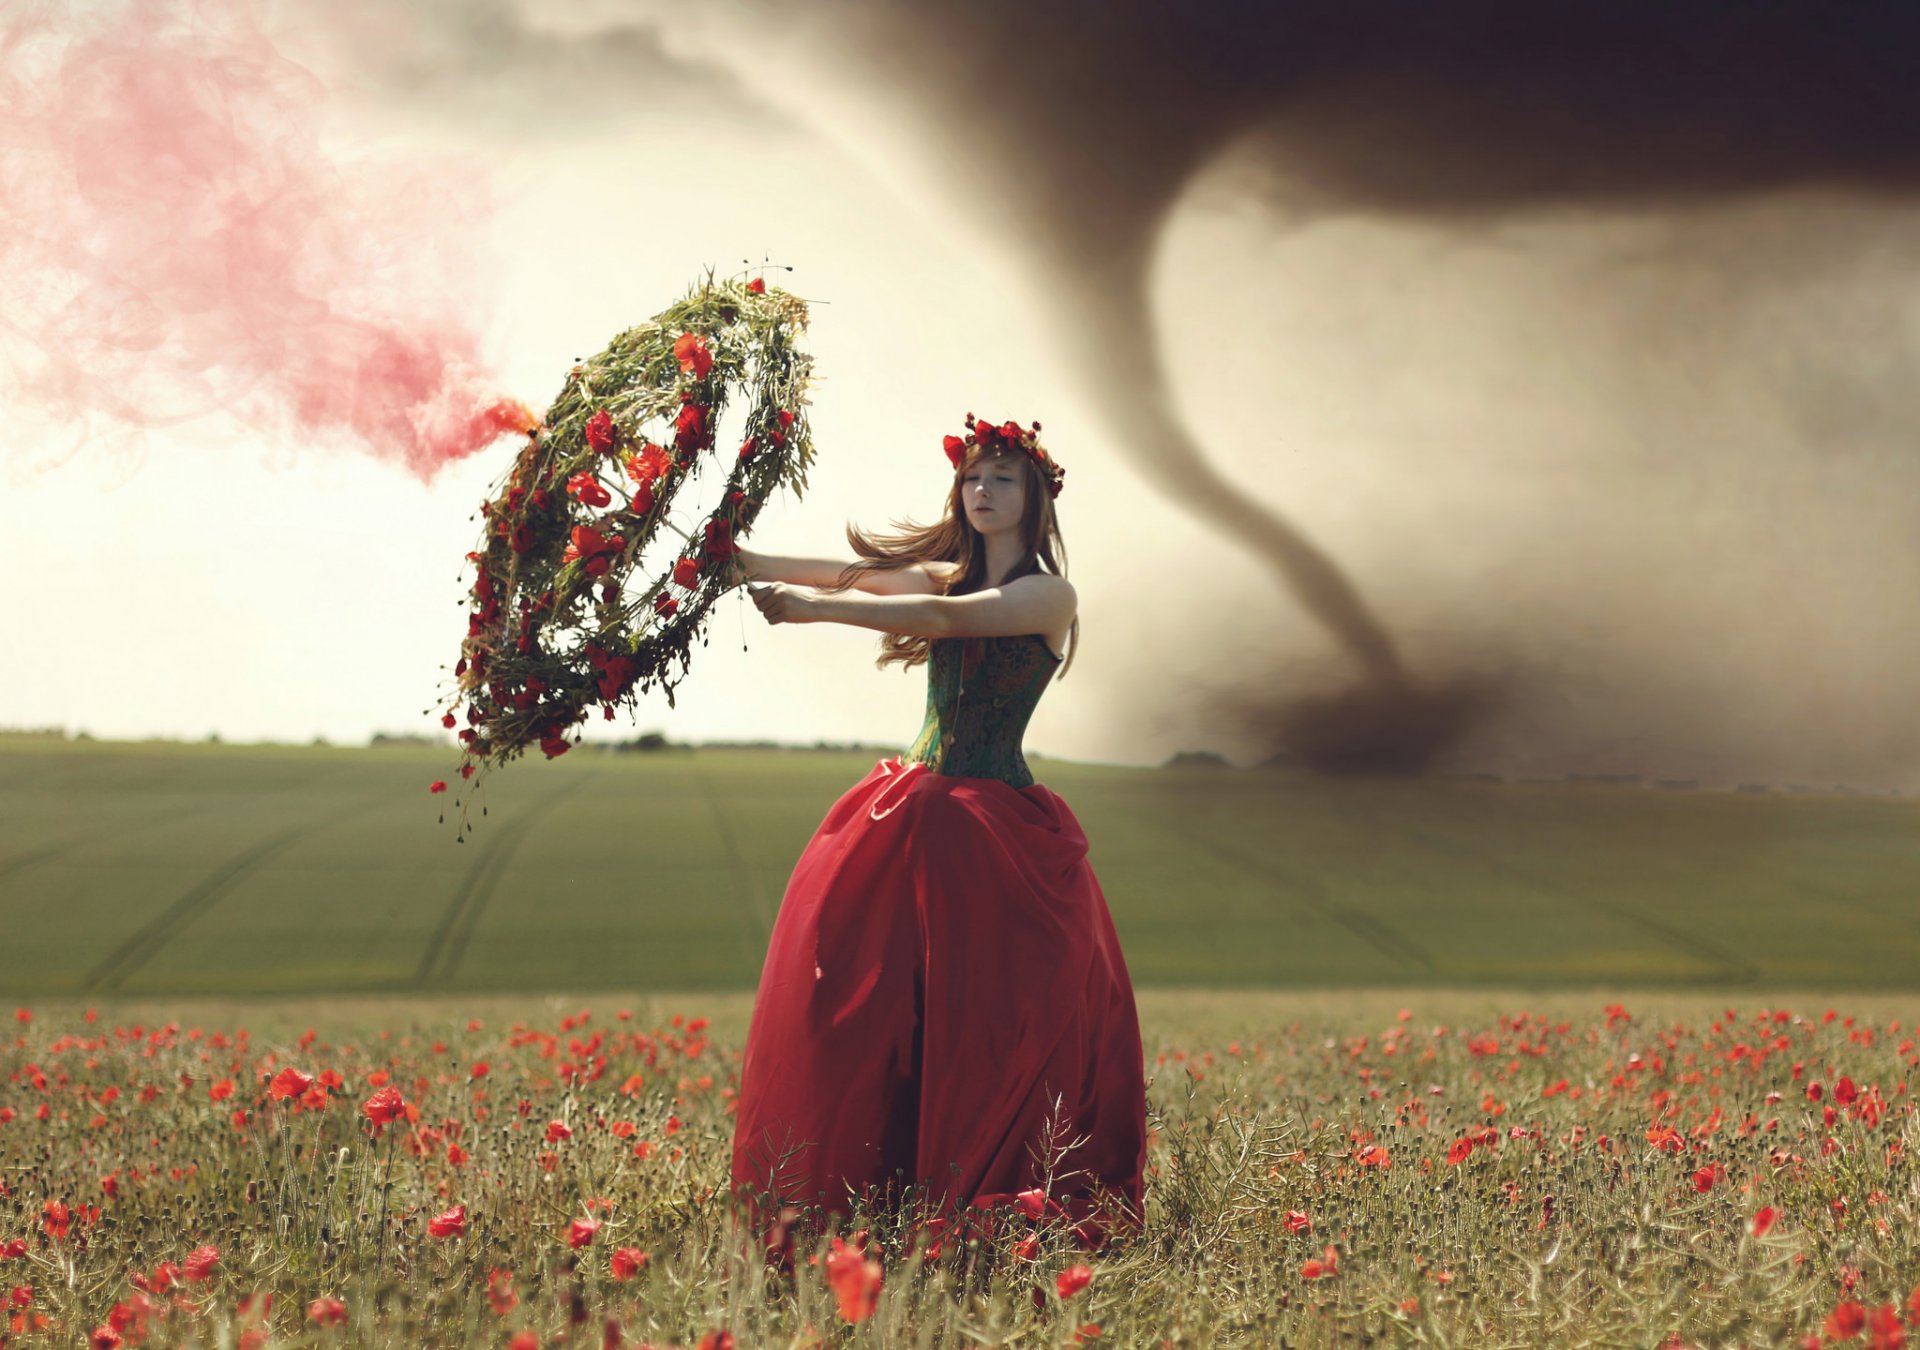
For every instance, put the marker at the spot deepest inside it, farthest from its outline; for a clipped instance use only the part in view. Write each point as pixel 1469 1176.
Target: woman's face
pixel 993 490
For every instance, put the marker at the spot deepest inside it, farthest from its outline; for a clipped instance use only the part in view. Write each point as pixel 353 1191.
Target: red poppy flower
pixel 558 1130
pixel 104 1338
pixel 720 545
pixel 600 431
pixel 626 1262
pixel 500 1295
pixel 1884 1331
pixel 198 1267
pixel 290 1082
pixel 1847 1320
pixel 690 350
pixel 588 490
pixel 327 1312
pixel 757 286
pixel 1297 1221
pixel 451 1224
pixel 437 785
pixel 690 430
pixel 855 1280
pixel 580 1232
pixel 1763 1219
pixel 1327 1266
pixel 555 744
pixel 1072 1280
pixel 664 605
pixel 1373 1156
pixel 384 1105
pixel 649 464
pixel 686 573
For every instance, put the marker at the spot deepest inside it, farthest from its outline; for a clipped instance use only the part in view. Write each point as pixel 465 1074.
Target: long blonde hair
pixel 952 539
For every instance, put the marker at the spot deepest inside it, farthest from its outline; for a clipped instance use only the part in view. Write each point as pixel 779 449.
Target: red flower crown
pixel 1007 435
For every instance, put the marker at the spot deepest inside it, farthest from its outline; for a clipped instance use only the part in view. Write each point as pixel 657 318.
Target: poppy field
pixel 281 871
pixel 1449 1168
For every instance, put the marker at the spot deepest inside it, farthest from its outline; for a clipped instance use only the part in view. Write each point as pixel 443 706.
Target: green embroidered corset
pixel 980 693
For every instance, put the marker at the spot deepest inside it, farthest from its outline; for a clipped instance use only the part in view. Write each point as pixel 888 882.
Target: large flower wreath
pixel 565 615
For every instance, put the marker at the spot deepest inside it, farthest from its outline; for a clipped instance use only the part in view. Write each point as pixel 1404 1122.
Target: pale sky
pixel 1652 466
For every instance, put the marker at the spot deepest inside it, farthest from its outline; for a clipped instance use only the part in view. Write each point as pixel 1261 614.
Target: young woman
pixel 945 1018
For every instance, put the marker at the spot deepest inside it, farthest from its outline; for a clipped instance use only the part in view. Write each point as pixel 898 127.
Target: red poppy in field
pixel 757 286
pixel 327 1312
pixel 1763 1219
pixel 1373 1156
pixel 1847 1320
pixel 451 1224
pixel 690 350
pixel 1327 1266
pixel 558 1130
pixel 1704 1178
pixel 600 431
pixel 626 1262
pixel 55 1218
pixel 384 1105
pixel 104 1338
pixel 524 1340
pixel 1845 1092
pixel 290 1082
pixel 580 1232
pixel 1072 1280
pixel 198 1267
pixel 716 1340
pixel 500 1293
pixel 1298 1222
pixel 855 1280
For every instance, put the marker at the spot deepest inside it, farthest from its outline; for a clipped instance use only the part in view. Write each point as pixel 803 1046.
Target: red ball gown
pixel 944 1004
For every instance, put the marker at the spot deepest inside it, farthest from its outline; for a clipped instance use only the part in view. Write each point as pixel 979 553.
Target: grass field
pixel 270 870
pixel 1426 1169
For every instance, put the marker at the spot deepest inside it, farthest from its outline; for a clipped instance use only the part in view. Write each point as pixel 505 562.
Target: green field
pixel 165 869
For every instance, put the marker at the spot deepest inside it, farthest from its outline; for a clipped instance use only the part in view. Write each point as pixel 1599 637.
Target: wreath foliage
pixel 561 615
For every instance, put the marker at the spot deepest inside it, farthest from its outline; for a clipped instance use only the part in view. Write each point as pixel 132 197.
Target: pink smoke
pixel 175 241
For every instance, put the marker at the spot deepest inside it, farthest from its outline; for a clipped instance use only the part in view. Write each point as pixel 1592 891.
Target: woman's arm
pixel 910 580
pixel 1032 604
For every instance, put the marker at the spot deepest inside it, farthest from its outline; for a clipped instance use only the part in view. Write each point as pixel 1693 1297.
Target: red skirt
pixel 944 1006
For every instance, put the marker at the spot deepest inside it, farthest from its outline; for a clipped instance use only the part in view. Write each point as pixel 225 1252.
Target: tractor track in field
pixel 1733 969
pixel 1312 893
pixel 157 932
pixel 448 944
pixel 747 881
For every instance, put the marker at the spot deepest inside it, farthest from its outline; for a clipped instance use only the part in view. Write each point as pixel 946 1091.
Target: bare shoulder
pixel 1055 588
pixel 935 570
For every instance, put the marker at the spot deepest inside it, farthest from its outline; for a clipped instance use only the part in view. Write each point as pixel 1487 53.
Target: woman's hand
pixel 782 603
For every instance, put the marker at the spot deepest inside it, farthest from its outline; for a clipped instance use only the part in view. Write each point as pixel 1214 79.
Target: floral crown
pixel 1007 435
